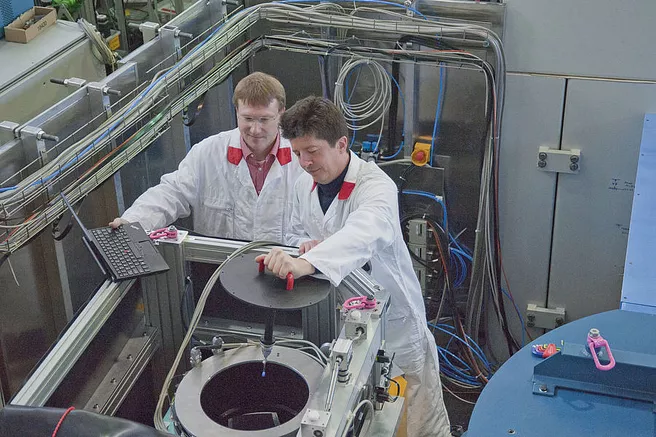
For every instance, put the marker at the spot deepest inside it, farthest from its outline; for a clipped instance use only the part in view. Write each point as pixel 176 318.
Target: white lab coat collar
pixel 235 153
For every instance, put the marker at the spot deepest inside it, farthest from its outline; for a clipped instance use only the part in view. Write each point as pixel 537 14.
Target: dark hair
pixel 314 116
pixel 259 89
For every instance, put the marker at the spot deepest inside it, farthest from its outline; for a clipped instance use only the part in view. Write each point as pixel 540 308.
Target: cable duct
pixel 148 112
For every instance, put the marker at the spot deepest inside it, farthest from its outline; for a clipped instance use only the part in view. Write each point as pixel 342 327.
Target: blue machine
pixel 566 394
pixel 509 407
pixel 640 267
pixel 10 10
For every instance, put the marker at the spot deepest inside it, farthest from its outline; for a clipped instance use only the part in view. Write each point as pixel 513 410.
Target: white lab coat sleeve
pixel 369 229
pixel 295 235
pixel 171 199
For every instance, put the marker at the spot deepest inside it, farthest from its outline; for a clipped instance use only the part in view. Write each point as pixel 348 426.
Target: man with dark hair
pixel 238 183
pixel 346 214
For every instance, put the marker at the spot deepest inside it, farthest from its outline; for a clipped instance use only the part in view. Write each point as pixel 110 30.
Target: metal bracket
pixel 546 318
pixel 105 90
pixel 122 376
pixel 99 91
pixel 40 137
pixel 73 82
pixel 342 352
pixel 314 422
pixel 356 323
pixel 559 161
pixel 176 34
pixel 10 126
pixel 149 30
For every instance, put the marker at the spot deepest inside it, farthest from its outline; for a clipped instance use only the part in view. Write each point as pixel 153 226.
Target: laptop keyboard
pixel 114 243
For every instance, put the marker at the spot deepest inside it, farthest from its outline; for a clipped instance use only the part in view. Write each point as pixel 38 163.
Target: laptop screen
pixel 86 236
pixel 85 231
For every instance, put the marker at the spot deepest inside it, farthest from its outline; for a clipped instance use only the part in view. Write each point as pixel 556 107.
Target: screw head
pixel 542 164
pixel 594 333
pixel 573 166
pixel 530 317
pixel 542 156
pixel 543 388
pixel 574 158
pixel 530 324
pixel 511 431
pixel 317 433
pixel 560 321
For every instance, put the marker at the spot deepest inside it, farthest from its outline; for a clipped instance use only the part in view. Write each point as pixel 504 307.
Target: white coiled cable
pixel 372 110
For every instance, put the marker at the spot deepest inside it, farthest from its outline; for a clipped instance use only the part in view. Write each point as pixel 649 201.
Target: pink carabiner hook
pixel 354 303
pixel 596 341
pixel 169 233
pixel 359 303
pixel 370 303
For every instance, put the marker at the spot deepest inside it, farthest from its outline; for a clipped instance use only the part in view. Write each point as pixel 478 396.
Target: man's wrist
pixel 307 268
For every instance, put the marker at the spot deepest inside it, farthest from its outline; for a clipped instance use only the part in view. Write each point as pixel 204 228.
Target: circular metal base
pixel 227 395
pixel 241 278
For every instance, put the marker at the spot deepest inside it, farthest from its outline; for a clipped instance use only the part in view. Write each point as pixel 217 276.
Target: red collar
pixel 349 180
pixel 344 192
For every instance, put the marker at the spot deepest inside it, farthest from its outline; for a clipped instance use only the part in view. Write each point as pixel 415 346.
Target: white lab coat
pixel 213 181
pixel 362 224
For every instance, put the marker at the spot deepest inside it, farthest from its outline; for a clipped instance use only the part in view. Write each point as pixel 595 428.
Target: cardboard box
pixel 16 31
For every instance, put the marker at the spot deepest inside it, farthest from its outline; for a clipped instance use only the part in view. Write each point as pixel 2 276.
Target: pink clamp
pixel 596 341
pixel 290 277
pixel 169 233
pixel 359 303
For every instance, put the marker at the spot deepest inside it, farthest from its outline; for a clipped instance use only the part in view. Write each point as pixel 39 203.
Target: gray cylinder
pixel 227 396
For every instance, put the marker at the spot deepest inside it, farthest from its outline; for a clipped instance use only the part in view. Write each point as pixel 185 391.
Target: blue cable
pixel 454 374
pixel 462 253
pixel 462 373
pixel 472 342
pixel 438 111
pixel 462 248
pixel 381 2
pixel 455 265
pixel 519 314
pixel 472 345
pixel 447 351
pixel 435 198
pixel 460 266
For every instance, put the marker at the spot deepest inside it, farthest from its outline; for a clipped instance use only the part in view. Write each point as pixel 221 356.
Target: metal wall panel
pixel 25 88
pixel 27 310
pixel 526 195
pixel 605 38
pixel 593 209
